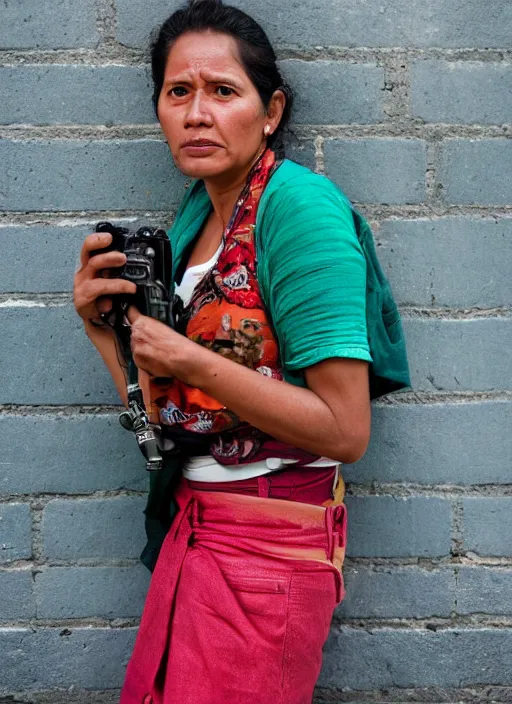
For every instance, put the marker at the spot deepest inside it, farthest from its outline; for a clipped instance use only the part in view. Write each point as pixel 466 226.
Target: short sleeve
pixel 316 273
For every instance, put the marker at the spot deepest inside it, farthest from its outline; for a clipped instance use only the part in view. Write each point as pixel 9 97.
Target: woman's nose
pixel 198 112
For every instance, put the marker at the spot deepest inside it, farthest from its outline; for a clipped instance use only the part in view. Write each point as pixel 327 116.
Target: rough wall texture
pixel 406 104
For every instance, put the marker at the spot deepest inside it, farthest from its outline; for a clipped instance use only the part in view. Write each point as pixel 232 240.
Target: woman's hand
pixel 331 417
pixel 92 289
pixel 160 351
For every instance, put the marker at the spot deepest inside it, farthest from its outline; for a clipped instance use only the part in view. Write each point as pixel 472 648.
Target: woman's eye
pixel 178 91
pixel 224 91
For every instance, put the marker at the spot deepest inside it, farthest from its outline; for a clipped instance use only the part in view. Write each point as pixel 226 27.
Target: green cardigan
pixel 322 284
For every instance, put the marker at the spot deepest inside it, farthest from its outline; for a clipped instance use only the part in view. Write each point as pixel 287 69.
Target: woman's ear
pixel 275 110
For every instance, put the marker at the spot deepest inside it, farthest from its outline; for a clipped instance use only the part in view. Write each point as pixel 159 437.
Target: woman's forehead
pixel 210 52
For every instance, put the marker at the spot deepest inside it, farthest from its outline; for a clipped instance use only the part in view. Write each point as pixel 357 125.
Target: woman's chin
pixel 202 167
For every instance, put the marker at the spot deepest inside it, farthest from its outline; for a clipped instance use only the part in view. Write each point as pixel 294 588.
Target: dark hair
pixel 256 52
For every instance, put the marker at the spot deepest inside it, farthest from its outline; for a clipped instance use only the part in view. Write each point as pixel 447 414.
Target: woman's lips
pixel 200 148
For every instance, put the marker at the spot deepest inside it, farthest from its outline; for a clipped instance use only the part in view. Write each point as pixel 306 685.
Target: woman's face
pixel 209 109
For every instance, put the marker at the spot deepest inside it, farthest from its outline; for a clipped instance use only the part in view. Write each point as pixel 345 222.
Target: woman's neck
pixel 225 191
pixel 224 199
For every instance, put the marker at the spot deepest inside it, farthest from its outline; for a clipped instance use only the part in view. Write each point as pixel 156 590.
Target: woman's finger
pixel 104 304
pixel 94 288
pixel 133 314
pixel 109 260
pixel 97 240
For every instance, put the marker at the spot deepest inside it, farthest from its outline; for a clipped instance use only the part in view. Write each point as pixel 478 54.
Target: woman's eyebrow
pixel 222 78
pixel 180 78
pixel 186 78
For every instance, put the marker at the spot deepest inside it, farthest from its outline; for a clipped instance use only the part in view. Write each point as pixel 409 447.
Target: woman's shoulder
pixel 295 186
pixel 295 193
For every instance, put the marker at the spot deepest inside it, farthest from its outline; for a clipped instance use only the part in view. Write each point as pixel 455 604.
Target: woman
pixel 266 379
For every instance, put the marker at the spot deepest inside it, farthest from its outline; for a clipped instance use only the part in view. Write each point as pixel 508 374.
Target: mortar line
pixel 319 155
pixel 401 128
pixel 408 624
pixel 20 299
pixel 106 22
pixel 374 212
pixel 37 566
pixel 460 623
pixel 74 695
pixel 36 511
pixel 38 500
pixel 434 187
pixel 115 51
pixel 476 694
pixel 79 218
pixel 395 103
pixel 405 489
pixel 433 624
pixel 62 623
pixel 376 54
pixel 429 565
pixel 457 526
pixel 404 128
pixel 404 398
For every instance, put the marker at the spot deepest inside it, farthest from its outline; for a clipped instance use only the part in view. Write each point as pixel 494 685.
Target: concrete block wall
pixel 406 104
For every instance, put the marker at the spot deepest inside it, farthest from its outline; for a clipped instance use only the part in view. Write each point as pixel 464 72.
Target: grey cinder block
pixel 334 92
pixel 49 358
pixel 88 175
pixel 461 92
pixel 378 170
pixel 488 525
pixel 94 528
pixel 383 658
pixel 64 24
pixel 476 171
pixel 437 443
pixel 37 659
pixel 15 532
pixel 69 453
pixel 486 590
pixel 451 261
pixel 396 592
pixel 18 601
pixel 91 592
pixel 455 355
pixel 68 94
pixel 392 526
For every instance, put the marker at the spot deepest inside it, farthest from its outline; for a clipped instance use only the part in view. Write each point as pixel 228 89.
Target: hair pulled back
pixel 256 53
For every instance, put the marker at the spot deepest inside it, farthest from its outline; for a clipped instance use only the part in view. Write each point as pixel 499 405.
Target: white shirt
pixel 193 276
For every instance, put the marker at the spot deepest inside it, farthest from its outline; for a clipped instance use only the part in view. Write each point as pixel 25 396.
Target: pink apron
pixel 240 602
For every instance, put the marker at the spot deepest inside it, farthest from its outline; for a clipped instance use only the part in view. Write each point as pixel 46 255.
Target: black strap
pixel 135 417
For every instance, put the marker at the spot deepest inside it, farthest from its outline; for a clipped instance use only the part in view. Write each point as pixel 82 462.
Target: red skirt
pixel 240 602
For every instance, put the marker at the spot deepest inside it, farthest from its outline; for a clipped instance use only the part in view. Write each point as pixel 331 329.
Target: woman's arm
pixel 105 342
pixel 330 418
pixel 104 339
pixel 92 291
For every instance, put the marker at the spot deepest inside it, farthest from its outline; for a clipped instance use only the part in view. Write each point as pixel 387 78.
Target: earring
pixel 266 130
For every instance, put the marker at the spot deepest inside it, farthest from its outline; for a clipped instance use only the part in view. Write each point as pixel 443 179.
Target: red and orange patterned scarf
pixel 227 315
